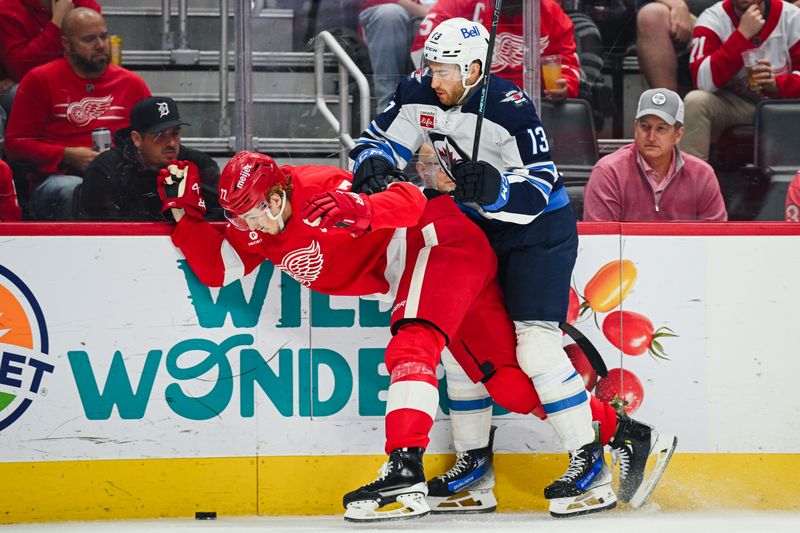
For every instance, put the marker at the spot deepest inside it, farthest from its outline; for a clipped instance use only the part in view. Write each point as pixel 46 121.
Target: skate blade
pixel 465 502
pixel 662 451
pixel 595 500
pixel 411 505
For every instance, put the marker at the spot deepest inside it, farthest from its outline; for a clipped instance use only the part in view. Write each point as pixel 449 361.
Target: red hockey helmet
pixel 245 181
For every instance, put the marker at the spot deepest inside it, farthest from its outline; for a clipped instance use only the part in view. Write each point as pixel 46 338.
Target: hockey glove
pixel 339 209
pixel 179 188
pixel 373 172
pixel 477 181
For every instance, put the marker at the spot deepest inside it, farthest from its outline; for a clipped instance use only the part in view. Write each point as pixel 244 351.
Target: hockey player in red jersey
pixel 394 245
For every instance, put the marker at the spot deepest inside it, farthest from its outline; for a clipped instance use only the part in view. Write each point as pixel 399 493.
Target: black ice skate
pixel 467 486
pixel 585 487
pixel 401 480
pixel 632 445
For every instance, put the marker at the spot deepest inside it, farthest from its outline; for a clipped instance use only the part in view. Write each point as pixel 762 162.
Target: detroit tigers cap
pixel 663 103
pixel 154 114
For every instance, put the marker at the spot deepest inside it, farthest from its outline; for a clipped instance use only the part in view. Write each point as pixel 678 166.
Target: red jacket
pixel 618 191
pixel 55 108
pixel 9 208
pixel 27 37
pixel 557 37
pixel 716 56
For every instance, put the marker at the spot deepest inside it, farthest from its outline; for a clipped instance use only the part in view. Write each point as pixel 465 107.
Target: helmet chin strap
pixel 279 217
pixel 468 87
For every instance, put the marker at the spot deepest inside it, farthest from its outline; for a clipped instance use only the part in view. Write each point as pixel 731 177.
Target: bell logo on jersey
pixel 426 119
pixel 24 346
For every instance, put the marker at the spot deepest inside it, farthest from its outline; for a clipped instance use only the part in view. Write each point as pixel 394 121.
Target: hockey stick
pixel 588 348
pixel 487 67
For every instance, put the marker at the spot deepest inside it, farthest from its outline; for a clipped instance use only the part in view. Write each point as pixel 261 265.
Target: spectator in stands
pixel 30 32
pixel 120 184
pixel 9 208
pixel 58 105
pixel 389 27
pixel 557 37
pixel 650 179
pixel 723 97
pixel 793 200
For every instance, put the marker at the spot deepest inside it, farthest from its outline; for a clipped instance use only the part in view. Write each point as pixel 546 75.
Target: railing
pixel 345 65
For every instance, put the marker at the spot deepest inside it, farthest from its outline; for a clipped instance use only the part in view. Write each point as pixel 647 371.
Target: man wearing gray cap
pixel 651 179
pixel 120 184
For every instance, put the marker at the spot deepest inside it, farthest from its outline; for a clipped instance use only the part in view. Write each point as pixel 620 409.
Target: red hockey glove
pixel 179 188
pixel 339 209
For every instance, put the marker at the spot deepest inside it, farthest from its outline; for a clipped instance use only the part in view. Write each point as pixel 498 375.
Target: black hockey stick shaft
pixel 487 68
pixel 588 348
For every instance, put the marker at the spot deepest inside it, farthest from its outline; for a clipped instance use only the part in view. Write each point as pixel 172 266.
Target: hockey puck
pixel 210 515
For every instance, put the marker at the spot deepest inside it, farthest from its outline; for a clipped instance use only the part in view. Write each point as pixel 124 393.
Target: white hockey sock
pixel 470 407
pixel 560 387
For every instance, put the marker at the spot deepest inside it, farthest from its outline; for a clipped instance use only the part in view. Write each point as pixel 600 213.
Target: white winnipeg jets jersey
pixel 512 140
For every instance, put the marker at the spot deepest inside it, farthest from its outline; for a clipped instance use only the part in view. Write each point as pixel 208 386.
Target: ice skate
pixel 467 486
pixel 401 481
pixel 632 446
pixel 585 487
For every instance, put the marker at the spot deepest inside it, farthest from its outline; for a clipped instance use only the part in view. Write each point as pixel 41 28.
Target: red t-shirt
pixel 27 37
pixel 55 108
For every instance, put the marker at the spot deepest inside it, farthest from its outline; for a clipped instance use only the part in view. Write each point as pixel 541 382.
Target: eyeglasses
pixel 162 136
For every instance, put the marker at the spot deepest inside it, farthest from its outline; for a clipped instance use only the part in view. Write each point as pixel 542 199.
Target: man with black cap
pixel 651 179
pixel 120 184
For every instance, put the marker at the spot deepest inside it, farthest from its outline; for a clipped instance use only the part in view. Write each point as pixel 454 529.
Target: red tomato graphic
pixel 574 306
pixel 622 389
pixel 633 334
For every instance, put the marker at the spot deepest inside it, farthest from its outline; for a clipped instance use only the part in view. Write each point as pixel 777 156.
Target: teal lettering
pixel 216 400
pixel 118 390
pixel 310 403
pixel 371 382
pixel 322 316
pixel 230 300
pixel 290 302
pixel 278 387
pixel 371 316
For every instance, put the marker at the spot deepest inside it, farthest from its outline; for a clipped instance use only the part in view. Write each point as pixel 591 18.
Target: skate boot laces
pixel 463 460
pixel 577 465
pixel 622 456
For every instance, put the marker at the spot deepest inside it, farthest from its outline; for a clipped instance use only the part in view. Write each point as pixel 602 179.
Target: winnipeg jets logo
pixel 87 110
pixel 515 96
pixel 163 109
pixel 304 265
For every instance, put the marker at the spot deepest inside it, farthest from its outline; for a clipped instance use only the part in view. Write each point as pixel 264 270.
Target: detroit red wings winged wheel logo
pixel 304 265
pixel 88 109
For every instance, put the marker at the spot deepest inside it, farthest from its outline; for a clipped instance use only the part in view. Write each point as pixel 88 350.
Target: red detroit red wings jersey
pixel 55 108
pixel 331 262
pixel 557 37
pixel 717 46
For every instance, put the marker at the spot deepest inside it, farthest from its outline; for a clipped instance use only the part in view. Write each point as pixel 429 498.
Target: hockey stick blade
pixel 588 348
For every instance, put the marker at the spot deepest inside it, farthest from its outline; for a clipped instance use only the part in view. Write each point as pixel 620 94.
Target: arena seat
pixel 573 144
pixel 776 152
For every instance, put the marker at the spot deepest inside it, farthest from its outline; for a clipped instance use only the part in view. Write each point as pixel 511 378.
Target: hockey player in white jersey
pixel 514 192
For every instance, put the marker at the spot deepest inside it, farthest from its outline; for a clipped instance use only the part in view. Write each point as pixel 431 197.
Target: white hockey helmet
pixel 458 41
